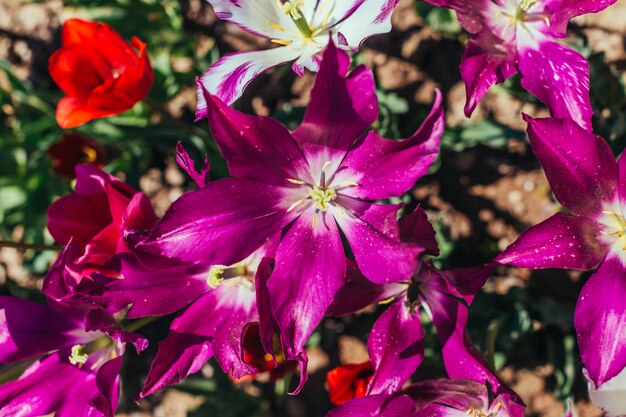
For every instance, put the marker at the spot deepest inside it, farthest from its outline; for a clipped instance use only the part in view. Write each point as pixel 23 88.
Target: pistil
pixel 219 273
pixel 293 9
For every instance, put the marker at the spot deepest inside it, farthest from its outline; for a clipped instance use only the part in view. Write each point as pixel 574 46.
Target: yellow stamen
pixel 281 41
pixel 276 26
pixel 348 184
pixel 291 180
pixel 294 205
pixel 314 220
pixel 90 153
pixel 326 164
pixel 387 300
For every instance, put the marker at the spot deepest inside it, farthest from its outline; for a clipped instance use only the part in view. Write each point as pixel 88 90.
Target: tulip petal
pixel 561 241
pixel 254 17
pixel 341 108
pixel 185 162
pixel 108 383
pixel 228 77
pixel 65 63
pixel 212 325
pixel 48 385
pixel 255 147
pixel 358 292
pixel 370 18
pixel 396 348
pixel 389 168
pixel 29 329
pixel 310 267
pixel 415 228
pixel 485 62
pixel 368 226
pixel 559 12
pixel 379 405
pixel 470 13
pixel 600 322
pixel 152 285
pixel 559 77
pixel 241 212
pixel 580 166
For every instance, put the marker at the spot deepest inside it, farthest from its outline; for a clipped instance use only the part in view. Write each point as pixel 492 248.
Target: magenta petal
pixel 358 292
pixel 98 319
pixel 600 321
pixel 561 241
pixel 74 217
pixel 255 147
pixel 368 226
pixel 415 228
pixel 340 108
pixel 152 285
pixel 213 324
pixel 267 324
pixel 559 12
pixel 461 358
pixel 396 348
pixel 179 355
pixel 235 308
pixel 559 77
pixel 470 13
pixel 108 384
pixel 486 61
pixel 46 386
pixel 379 405
pixel 579 165
pixel 186 163
pixel 29 329
pixel 621 163
pixel 389 168
pixel 242 213
pixel 310 268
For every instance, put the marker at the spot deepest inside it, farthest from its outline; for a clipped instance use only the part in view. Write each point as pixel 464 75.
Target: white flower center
pixel 320 196
pixel 482 413
pixel 308 32
pixel 613 228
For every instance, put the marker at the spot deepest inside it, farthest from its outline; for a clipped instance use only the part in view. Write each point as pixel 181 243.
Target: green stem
pixel 29 246
pixel 492 335
pixel 302 24
pixel 138 324
pixel 14 372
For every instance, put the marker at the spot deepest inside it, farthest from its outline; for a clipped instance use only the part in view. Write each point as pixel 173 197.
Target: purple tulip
pixel 441 398
pixel 78 374
pixel 300 188
pixel 507 35
pixel 396 344
pixel 300 30
pixel 586 180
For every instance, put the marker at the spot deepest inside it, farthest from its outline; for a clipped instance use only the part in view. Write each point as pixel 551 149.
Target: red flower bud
pixel 73 150
pixel 349 381
pixel 100 74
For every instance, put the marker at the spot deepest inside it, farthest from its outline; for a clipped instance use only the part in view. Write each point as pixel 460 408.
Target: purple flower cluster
pixel 303 229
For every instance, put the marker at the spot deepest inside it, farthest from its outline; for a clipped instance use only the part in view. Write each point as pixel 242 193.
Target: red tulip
pixel 349 381
pixel 100 74
pixel 72 150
